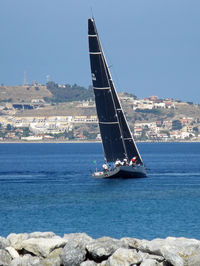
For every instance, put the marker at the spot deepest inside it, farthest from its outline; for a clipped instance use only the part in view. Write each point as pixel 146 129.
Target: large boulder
pixel 152 247
pixel 182 255
pixel 146 256
pixel 181 251
pixel 74 252
pixel 124 257
pixel 26 260
pixel 131 242
pixel 53 259
pixel 42 235
pixel 177 251
pixel 13 253
pixel 88 263
pixel 5 258
pixel 42 247
pixel 81 237
pixel 16 240
pixel 150 262
pixel 102 248
pixel 4 243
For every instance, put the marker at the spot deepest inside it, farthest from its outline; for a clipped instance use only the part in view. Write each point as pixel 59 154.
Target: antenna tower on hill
pixel 25 80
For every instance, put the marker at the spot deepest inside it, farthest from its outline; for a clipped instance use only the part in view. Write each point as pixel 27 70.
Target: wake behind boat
pixel 122 158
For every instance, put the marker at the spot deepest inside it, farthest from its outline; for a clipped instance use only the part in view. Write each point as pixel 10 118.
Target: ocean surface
pixel 48 187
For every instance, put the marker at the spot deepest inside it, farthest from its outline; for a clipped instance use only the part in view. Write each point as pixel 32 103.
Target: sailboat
pixel 122 158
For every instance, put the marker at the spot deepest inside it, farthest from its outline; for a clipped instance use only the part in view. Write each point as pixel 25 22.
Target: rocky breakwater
pixel 80 249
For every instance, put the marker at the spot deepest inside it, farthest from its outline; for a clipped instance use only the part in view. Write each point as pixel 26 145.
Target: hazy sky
pixel 153 46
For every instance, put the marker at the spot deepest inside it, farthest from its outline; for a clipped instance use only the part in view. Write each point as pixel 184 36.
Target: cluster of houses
pixel 41 127
pixel 152 102
pixel 167 130
pixel 13 126
pixel 46 127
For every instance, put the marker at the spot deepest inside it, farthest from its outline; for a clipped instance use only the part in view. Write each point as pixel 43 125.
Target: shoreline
pixel 82 141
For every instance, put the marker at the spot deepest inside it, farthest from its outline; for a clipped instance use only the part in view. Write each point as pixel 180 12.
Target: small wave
pixel 175 174
pixel 37 176
pixel 7 173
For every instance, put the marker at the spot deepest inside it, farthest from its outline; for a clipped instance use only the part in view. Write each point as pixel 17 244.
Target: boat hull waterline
pixel 122 172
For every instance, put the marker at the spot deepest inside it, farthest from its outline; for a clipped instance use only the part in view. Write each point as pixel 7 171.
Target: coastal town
pixel 35 119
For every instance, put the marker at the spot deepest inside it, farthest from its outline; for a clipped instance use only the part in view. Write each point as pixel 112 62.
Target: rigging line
pixel 91 10
pixel 111 65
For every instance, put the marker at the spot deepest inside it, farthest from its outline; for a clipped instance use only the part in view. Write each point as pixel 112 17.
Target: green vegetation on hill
pixel 131 95
pixel 68 93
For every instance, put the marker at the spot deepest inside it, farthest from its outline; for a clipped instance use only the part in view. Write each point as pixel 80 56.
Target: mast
pixel 116 136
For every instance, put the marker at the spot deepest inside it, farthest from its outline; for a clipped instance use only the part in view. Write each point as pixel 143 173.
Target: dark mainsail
pixel 117 139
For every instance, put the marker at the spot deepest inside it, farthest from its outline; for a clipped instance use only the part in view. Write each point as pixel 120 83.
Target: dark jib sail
pixel 117 139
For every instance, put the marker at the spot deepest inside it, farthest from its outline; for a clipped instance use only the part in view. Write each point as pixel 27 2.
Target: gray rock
pixel 177 251
pixel 42 247
pixel 16 240
pixel 181 251
pixel 42 235
pixel 81 237
pixel 131 242
pixel 53 259
pixel 26 260
pixel 181 256
pixel 74 252
pixel 124 257
pixel 150 262
pixel 103 263
pixel 146 256
pixel 4 243
pixel 172 255
pixel 88 263
pixel 100 249
pixel 13 253
pixel 152 247
pixel 5 258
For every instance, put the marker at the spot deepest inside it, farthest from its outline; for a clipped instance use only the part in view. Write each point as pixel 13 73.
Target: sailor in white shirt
pixel 105 167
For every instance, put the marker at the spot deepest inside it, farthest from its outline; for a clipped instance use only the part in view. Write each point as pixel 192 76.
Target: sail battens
pixel 108 123
pixel 92 35
pixel 95 52
pixel 106 88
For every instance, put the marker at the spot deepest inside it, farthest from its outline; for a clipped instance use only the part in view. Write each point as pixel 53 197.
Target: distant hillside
pixel 24 93
pixel 68 93
pixel 51 93
pixel 145 115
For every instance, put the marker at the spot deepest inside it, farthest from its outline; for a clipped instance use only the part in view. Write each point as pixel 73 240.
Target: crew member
pixel 133 161
pixel 118 163
pixel 105 167
pixel 125 162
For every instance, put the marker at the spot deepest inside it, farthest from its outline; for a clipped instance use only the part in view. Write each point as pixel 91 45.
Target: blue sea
pixel 48 187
